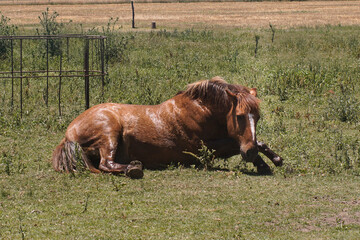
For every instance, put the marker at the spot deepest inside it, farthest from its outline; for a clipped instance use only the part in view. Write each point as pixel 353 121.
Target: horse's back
pixel 94 123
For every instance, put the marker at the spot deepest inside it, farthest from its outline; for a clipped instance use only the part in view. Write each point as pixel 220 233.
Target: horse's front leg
pixel 261 166
pixel 263 148
pixel 108 164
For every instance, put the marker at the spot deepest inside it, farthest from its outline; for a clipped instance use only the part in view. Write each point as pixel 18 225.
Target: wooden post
pixel 257 37
pixel 47 73
pixel 153 25
pixel 21 80
pixel 102 56
pixel 60 78
pixel 133 14
pixel 12 74
pixel 86 73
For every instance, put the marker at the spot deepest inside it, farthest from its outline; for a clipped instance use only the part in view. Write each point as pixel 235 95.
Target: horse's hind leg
pixel 108 164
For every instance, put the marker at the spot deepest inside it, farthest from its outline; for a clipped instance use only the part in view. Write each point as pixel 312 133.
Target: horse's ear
pixel 235 99
pixel 253 91
pixel 231 95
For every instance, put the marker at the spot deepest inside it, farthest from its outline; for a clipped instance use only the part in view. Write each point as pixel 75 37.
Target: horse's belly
pixel 155 152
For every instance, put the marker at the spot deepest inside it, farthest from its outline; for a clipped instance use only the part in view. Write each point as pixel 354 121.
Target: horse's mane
pixel 213 91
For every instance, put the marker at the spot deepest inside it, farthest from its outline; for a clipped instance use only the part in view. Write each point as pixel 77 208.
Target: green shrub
pixel 342 105
pixel 205 156
pixel 6 29
pixel 50 27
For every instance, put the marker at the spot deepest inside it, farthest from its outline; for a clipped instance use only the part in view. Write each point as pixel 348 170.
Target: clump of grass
pixel 205 156
pixel 6 162
pixel 342 104
pixel 346 152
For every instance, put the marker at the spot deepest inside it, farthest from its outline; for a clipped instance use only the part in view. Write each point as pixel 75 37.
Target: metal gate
pixel 92 62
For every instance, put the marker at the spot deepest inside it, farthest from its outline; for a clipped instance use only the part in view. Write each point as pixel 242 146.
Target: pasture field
pixel 196 15
pixel 307 79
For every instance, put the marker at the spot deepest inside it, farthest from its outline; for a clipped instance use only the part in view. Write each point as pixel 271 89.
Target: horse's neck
pixel 209 118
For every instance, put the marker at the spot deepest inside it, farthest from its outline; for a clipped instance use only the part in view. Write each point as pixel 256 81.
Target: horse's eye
pixel 240 117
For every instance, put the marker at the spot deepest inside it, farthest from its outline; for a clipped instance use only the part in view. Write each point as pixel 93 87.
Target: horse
pixel 123 138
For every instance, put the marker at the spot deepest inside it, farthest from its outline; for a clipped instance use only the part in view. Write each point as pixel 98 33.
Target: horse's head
pixel 242 119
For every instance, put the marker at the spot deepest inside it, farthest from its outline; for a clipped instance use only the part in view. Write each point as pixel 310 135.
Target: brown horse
pixel 119 138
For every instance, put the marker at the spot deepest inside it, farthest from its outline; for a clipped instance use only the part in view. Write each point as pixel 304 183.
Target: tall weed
pixel 6 29
pixel 343 105
pixel 51 27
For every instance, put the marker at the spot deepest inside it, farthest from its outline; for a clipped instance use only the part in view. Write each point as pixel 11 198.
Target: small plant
pixel 50 27
pixel 6 161
pixel 6 30
pixel 21 230
pixel 115 44
pixel 205 156
pixel 117 184
pixel 86 203
pixel 346 152
pixel 343 105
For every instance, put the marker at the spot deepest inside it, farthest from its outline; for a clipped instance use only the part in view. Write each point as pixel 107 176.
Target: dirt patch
pixel 346 216
pixel 192 15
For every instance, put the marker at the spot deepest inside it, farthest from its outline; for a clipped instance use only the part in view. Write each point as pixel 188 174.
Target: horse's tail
pixel 68 156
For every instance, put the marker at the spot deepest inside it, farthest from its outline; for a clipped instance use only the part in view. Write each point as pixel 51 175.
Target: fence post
pixel 133 14
pixel 102 54
pixel 12 74
pixel 60 78
pixel 21 80
pixel 47 73
pixel 86 73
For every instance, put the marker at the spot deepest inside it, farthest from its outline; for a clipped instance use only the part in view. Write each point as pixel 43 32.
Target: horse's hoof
pixel 134 173
pixel 278 161
pixel 134 170
pixel 136 163
pixel 264 170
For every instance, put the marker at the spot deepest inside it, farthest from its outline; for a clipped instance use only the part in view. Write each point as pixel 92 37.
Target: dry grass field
pixel 193 15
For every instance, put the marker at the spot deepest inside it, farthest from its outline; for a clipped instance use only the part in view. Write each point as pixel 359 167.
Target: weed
pixel 86 203
pixel 206 156
pixel 346 152
pixel 21 231
pixel 116 44
pixel 7 162
pixel 117 184
pixel 342 105
pixel 50 27
pixel 4 193
pixel 6 29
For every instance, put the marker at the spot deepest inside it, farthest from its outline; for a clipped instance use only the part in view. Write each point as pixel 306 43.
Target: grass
pixel 178 204
pixel 307 81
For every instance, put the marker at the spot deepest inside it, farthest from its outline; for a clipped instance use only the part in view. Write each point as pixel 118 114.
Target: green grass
pixel 178 204
pixel 307 81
